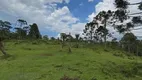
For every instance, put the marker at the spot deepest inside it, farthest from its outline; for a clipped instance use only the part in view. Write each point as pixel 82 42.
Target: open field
pixel 48 62
pixel 70 39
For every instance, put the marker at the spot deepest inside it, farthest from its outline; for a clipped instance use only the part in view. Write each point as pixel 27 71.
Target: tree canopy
pixel 34 31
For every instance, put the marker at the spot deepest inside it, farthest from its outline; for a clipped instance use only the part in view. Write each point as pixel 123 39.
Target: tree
pixel 20 28
pixel 103 17
pixel 90 31
pixel 45 37
pixel 21 23
pixel 34 32
pixel 4 33
pixel 2 47
pixel 77 36
pixel 52 39
pixel 13 35
pixel 80 39
pixel 21 33
pixel 114 43
pixel 5 27
pixel 129 42
pixel 122 14
pixel 69 38
pixel 63 39
pixel 77 40
pixel 139 48
pixel 66 38
pixel 121 4
pixel 97 29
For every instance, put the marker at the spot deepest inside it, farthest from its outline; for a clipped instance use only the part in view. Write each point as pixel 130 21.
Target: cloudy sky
pixel 56 16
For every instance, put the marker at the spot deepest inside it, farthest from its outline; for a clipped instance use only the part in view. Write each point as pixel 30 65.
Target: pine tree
pixel 34 32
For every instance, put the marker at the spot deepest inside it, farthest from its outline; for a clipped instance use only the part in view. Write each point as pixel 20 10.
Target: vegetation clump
pixel 68 78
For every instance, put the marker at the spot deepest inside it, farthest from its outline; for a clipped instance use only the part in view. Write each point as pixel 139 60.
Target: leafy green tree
pixel 45 37
pixel 13 35
pixel 52 39
pixel 121 4
pixel 90 31
pixel 129 41
pixel 34 32
pixel 122 14
pixel 5 27
pixel 97 29
pixel 4 33
pixel 103 17
pixel 77 36
pixel 21 23
pixel 139 48
pixel 21 33
pixel 66 38
pixel 20 28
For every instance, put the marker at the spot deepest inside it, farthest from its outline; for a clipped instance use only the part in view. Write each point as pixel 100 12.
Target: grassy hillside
pixel 48 62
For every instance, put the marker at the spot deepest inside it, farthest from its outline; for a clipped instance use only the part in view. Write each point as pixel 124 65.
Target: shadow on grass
pixel 7 57
pixel 68 78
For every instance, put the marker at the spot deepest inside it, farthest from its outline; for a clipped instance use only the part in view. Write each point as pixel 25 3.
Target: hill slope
pixel 48 62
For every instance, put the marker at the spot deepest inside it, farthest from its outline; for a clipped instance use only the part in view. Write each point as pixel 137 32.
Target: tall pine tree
pixel 34 32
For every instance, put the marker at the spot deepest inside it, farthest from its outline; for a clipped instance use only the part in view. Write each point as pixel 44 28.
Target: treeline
pixel 19 31
pixel 130 43
pixel 122 21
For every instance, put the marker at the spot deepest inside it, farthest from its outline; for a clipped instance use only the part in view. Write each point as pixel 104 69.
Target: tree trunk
pixel 77 44
pixel 105 42
pixel 3 51
pixel 137 52
pixel 129 49
pixel 91 38
pixel 70 51
pixel 105 34
pixel 2 48
pixel 63 43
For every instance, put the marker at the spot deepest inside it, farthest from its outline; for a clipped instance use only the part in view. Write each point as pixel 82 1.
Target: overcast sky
pixel 57 16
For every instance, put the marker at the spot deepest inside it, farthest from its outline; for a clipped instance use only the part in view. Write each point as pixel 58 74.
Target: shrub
pixel 68 78
pixel 118 55
pixel 131 70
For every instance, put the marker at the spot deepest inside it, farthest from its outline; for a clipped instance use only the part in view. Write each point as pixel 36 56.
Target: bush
pixel 75 46
pixel 68 78
pixel 35 42
pixel 118 55
pixel 131 70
